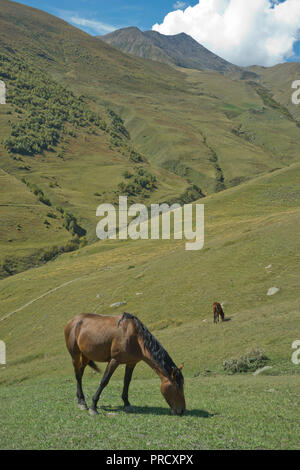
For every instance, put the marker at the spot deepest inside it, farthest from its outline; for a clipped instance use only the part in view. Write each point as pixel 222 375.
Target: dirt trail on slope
pixel 40 297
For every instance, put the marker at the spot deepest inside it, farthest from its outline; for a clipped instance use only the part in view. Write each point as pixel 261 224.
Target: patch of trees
pixel 48 109
pixel 69 220
pixel 141 183
pixel 37 192
pixel 12 265
pixel 71 224
pixel 120 137
pixel 191 194
pixel 117 124
pixel 268 100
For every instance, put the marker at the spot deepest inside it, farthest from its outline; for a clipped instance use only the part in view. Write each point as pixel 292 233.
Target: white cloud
pixel 91 26
pixel 179 5
pixel 244 32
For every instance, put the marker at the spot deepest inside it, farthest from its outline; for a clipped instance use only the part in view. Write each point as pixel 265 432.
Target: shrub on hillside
pixel 37 192
pixel 71 224
pixel 191 194
pixel 140 183
pixel 253 360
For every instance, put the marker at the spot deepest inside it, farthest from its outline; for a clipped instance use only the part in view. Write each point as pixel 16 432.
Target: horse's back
pixel 91 320
pixel 217 307
pixel 99 337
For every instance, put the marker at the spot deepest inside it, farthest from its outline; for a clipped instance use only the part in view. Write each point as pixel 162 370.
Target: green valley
pixel 85 123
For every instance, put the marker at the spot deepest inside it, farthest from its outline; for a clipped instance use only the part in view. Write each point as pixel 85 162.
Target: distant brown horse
pixel 121 339
pixel 218 312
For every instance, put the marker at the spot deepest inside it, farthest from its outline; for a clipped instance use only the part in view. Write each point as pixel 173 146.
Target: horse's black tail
pixel 94 366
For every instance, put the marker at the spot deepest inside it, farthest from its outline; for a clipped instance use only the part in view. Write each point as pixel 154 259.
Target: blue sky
pixel 113 13
pixel 99 17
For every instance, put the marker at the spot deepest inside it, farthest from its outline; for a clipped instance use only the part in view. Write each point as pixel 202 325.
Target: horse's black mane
pixel 158 353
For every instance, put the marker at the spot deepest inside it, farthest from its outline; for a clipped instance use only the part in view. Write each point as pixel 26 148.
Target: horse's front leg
pixel 110 369
pixel 127 379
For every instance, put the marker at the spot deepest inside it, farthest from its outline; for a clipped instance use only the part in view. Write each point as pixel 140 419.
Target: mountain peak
pixel 128 29
pixel 178 49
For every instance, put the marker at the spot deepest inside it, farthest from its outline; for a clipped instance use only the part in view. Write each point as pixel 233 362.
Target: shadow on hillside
pixel 157 410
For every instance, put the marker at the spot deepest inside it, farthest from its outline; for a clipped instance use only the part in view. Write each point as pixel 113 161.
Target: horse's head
pixel 172 390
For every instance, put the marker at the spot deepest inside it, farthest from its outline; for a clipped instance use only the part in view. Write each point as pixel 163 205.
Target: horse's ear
pixel 181 366
pixel 173 373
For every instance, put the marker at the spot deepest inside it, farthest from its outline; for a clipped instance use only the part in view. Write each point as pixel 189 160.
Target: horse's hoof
pixel 129 408
pixel 93 412
pixel 82 406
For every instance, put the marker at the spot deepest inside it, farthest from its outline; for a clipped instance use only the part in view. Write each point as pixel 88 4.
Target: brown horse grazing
pixel 121 339
pixel 218 312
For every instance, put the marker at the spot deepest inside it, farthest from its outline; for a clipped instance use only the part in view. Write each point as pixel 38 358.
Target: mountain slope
pixel 251 244
pixel 179 49
pixel 133 41
pixel 63 151
pixel 81 114
pixel 85 122
pixel 278 80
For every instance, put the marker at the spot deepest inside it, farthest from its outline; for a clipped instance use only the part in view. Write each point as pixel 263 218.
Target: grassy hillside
pixel 251 240
pixel 110 114
pixel 251 245
pixel 278 80
pixel 114 123
pixel 68 156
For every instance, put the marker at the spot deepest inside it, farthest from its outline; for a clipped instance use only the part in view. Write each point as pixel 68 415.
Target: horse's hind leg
pixel 80 362
pixel 111 367
pixel 127 380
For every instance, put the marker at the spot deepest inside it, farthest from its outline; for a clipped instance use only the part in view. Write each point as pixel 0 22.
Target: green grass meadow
pixel 222 413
